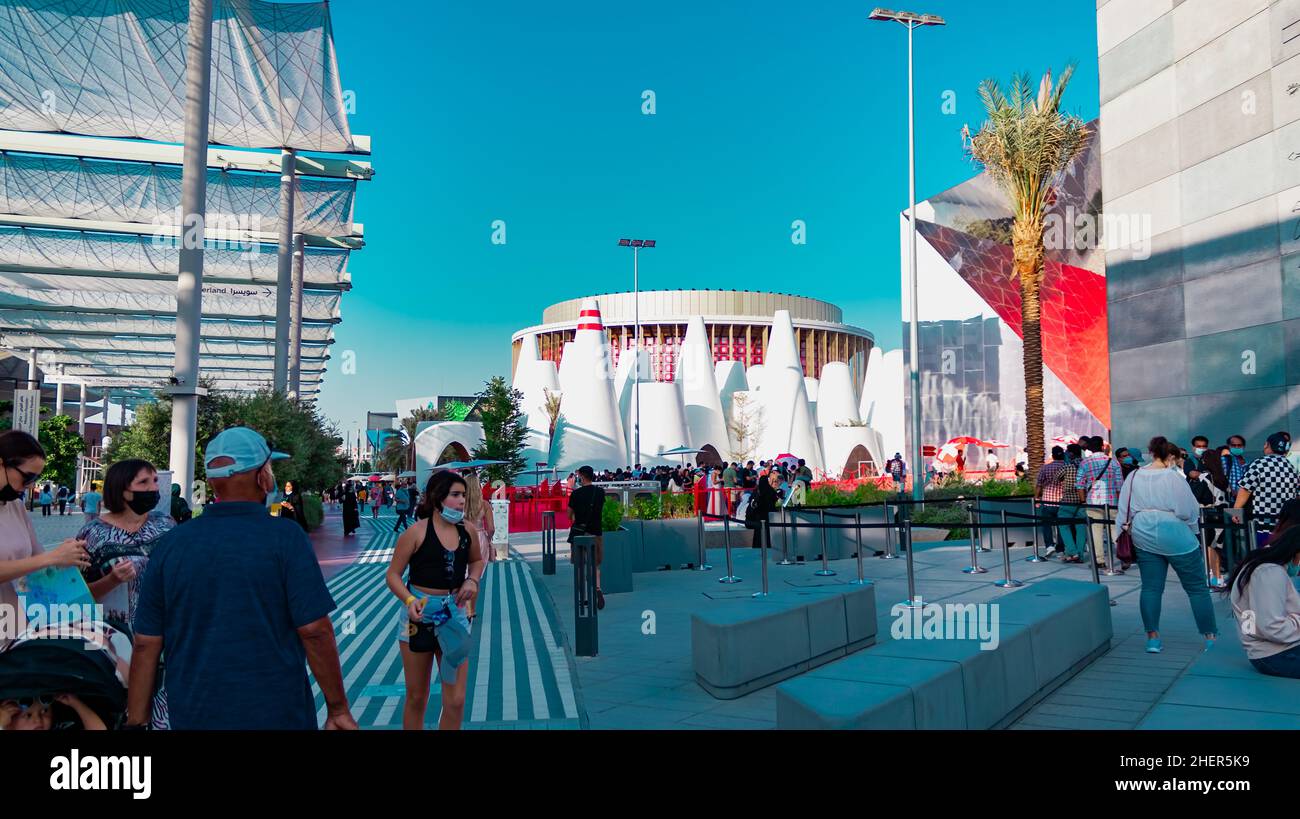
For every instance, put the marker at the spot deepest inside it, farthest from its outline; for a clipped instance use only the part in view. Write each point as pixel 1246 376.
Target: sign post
pixel 27 411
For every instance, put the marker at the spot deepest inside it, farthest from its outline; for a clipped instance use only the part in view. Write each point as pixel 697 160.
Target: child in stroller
pixel 70 675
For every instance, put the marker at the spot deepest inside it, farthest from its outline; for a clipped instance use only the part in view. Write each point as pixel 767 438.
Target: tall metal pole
pixel 295 323
pixel 914 371
pixel 31 369
pixel 284 272
pixel 636 359
pixel 189 283
pixel 58 392
pixel 81 412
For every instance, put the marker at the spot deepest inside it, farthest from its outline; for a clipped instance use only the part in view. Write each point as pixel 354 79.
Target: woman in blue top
pixel 45 500
pixel 1161 514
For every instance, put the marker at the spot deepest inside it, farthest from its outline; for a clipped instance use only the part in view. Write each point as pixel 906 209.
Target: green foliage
pixel 611 516
pixel 646 508
pixel 62 446
pixel 504 432
pixel 313 510
pixel 297 429
pixel 985 489
pixel 456 411
pixel 944 513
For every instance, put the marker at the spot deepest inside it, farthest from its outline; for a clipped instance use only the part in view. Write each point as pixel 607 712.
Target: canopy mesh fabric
pixel 116 68
pixel 144 326
pixel 110 191
pixel 229 260
pixel 52 293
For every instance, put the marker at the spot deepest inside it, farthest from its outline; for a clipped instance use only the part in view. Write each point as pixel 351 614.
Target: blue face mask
pixel 1198 451
pixel 1238 451
pixel 452 515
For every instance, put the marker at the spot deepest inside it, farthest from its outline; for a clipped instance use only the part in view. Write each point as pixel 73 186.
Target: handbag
pixel 1124 542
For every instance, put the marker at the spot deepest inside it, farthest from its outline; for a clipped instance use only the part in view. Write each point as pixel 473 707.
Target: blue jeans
pixel 1074 538
pixel 1286 664
pixel 1190 568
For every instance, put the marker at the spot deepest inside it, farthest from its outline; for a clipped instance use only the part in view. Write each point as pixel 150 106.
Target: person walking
pixel 763 504
pixel 62 499
pixel 351 512
pixel 1048 491
pixel 729 482
pixel 238 602
pixel 45 500
pixel 586 508
pixel 441 550
pixel 376 495
pixel 90 500
pixel 1073 536
pixel 401 505
pixel 1157 508
pixel 1099 479
pixel 180 509
pixel 1267 484
pixel 23 460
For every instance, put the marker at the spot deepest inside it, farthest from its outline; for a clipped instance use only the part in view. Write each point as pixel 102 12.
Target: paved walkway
pixel 520 675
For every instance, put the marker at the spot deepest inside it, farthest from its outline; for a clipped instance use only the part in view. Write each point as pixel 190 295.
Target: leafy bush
pixel 681 505
pixel 943 513
pixel 986 489
pixel 611 517
pixel 645 508
pixel 314 511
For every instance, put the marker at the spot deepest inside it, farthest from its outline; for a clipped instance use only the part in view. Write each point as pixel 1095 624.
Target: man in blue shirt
pixel 237 601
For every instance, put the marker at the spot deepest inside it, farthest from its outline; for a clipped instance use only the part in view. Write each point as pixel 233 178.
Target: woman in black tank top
pixel 442 553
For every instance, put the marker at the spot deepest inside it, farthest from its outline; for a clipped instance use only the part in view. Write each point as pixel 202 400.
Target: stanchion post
pixel 765 535
pixel 857 530
pixel 703 564
pixel 1252 541
pixel 825 570
pixel 1092 546
pixel 1007 582
pixel 726 533
pixel 905 539
pixel 785 538
pixel 974 567
pixel 889 554
pixel 980 527
pixel 1205 548
pixel 1112 565
pixel 1034 558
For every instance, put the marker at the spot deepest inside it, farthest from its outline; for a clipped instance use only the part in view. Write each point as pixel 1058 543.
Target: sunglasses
pixel 28 477
pixel 43 701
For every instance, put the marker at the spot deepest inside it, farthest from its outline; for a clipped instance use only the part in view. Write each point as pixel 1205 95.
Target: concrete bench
pixel 1221 690
pixel 1047 632
pixel 616 568
pixel 672 543
pixel 739 646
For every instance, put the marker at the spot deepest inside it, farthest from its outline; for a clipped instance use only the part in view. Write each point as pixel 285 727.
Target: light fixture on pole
pixel 912 21
pixel 636 245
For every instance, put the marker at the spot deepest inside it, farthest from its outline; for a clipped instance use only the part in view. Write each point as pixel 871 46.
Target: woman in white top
pixel 1267 607
pixel 1161 514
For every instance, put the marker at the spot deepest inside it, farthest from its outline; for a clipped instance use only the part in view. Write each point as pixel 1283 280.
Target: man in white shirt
pixel 991 463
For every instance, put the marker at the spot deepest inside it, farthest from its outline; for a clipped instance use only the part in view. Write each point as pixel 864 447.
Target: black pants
pixel 45 510
pixel 762 531
pixel 401 521
pixel 63 507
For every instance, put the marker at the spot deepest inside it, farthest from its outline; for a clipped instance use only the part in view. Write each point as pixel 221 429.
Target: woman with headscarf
pixel 292 504
pixel 351 514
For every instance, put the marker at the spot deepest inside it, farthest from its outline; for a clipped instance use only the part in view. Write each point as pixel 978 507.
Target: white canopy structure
pixel 118 199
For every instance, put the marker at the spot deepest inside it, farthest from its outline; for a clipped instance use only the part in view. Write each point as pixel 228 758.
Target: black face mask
pixel 143 502
pixel 8 493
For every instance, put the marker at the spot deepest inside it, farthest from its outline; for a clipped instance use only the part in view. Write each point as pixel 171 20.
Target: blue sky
pixel 532 114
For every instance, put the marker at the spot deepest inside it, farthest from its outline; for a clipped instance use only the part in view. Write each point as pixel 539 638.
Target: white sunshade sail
pixel 231 260
pixel 116 68
pixel 72 325
pixel 121 362
pixel 162 346
pixel 65 187
pixel 157 297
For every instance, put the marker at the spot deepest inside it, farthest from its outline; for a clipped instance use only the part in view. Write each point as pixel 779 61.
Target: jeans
pixel 1048 512
pixel 1286 664
pixel 1074 538
pixel 1190 568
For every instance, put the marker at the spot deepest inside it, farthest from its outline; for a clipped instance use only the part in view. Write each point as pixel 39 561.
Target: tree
pixel 1025 145
pixel 62 446
pixel 746 427
pixel 552 411
pixel 504 432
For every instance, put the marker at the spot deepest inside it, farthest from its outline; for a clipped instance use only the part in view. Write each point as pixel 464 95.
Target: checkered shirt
pixel 1272 481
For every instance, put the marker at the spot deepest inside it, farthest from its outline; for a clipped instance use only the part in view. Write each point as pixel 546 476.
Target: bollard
pixel 1205 549
pixel 703 565
pixel 548 542
pixel 1035 558
pixel 785 539
pixel 586 641
pixel 726 534
pixel 766 533
pixel 857 517
pixel 905 540
pixel 825 570
pixel 1112 565
pixel 1007 582
pixel 974 567
pixel 889 554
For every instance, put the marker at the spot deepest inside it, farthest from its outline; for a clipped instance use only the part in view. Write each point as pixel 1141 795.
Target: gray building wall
pixel 1200 140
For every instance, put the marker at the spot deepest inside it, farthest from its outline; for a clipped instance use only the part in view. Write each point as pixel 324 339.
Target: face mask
pixel 1128 459
pixel 1198 451
pixel 8 493
pixel 452 515
pixel 143 502
pixel 1238 451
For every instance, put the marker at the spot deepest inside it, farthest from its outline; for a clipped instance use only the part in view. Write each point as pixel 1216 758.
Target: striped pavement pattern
pixel 520 674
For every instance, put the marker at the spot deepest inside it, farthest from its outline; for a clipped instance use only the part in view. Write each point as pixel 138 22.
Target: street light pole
pixel 912 21
pixel 636 245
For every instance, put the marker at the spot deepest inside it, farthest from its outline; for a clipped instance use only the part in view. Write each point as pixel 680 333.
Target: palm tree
pixel 552 410
pixel 398 453
pixel 1025 145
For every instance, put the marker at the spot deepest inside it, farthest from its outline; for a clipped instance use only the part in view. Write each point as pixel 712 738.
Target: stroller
pixel 88 659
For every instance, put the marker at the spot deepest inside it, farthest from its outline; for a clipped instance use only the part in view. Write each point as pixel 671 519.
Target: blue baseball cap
pixel 245 447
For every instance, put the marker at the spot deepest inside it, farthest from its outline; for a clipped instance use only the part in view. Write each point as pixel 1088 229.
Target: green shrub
pixel 314 511
pixel 611 517
pixel 935 513
pixel 646 508
pixel 680 505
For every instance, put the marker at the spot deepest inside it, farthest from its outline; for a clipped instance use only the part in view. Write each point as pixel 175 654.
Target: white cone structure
pixel 754 377
pixel 623 390
pixel 663 426
pixel 811 387
pixel 534 378
pixel 788 423
pixel 836 401
pixel 706 424
pixel 882 399
pixel 591 428
pixel 782 351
